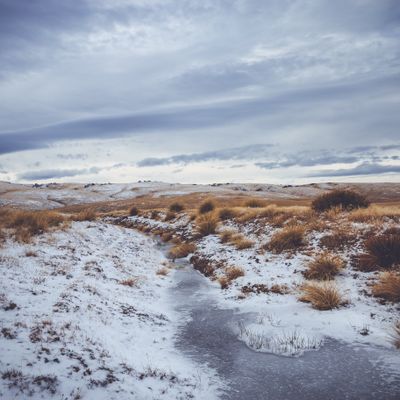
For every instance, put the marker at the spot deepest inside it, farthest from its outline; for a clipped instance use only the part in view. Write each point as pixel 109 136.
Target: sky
pixel 199 91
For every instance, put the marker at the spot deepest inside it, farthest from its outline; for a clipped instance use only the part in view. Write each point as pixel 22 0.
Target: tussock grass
pixel 85 215
pixel 169 216
pixel 382 252
pixel 206 224
pixel 388 287
pixel 374 213
pixel 181 250
pixel 322 295
pixel 338 240
pixel 226 235
pixel 345 199
pixel 231 273
pixel 133 211
pixel 241 242
pixel 255 203
pixel 289 238
pixel 206 207
pixel 131 282
pixel 324 267
pixel 227 213
pixel 24 225
pixel 176 207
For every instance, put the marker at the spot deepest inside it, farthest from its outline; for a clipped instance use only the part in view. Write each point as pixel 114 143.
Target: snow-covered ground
pixel 70 328
pixel 283 324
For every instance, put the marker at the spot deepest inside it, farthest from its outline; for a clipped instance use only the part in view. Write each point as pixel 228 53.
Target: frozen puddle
pixel 336 371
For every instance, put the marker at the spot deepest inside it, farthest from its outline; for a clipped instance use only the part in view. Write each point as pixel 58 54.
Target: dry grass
pixel 206 207
pixel 382 252
pixel 131 282
pixel 338 240
pixel 324 267
pixel 322 295
pixel 176 207
pixel 206 224
pixel 227 213
pixel 24 225
pixel 388 287
pixel 84 215
pixel 255 203
pixel 226 235
pixel 289 238
pixel 345 199
pixel 181 250
pixel 231 273
pixel 375 213
pixel 241 242
pixel 169 216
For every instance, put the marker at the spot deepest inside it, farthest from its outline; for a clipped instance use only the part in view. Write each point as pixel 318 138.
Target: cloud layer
pixel 198 81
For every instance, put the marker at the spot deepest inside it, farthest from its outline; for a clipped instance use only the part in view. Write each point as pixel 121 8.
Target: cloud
pixel 69 156
pixel 236 153
pixel 56 173
pixel 362 169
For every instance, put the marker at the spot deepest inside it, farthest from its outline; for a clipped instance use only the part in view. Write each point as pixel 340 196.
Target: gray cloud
pixel 56 173
pixel 236 153
pixel 362 169
pixel 69 156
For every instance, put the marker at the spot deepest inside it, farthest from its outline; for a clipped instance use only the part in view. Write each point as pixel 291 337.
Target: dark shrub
pixel 382 252
pixel 206 206
pixel 133 211
pixel 176 207
pixel 346 199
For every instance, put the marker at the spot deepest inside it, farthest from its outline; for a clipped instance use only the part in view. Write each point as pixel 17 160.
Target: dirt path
pixel 337 371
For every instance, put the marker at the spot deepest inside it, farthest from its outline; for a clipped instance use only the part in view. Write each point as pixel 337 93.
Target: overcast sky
pixel 199 90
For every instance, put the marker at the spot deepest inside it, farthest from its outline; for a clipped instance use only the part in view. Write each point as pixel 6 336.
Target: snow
pixel 77 331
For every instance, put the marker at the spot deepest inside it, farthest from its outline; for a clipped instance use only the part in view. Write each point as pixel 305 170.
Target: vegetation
pixel 321 295
pixel 289 238
pixel 181 250
pixel 206 207
pixel 133 211
pixel 176 207
pixel 206 224
pixel 388 287
pixel 345 199
pixel 324 267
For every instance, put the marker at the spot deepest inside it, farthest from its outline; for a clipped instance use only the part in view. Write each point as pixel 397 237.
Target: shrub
pixel 321 295
pixel 206 207
pixel 133 211
pixel 388 287
pixel 345 199
pixel 176 207
pixel 227 213
pixel 255 203
pixel 289 238
pixel 382 252
pixel 181 250
pixel 206 224
pixel 324 267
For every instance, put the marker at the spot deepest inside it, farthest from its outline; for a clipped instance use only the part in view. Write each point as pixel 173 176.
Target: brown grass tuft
pixel 227 213
pixel 181 250
pixel 241 242
pixel 388 287
pixel 324 267
pixel 176 207
pixel 131 282
pixel 338 240
pixel 206 224
pixel 382 252
pixel 84 215
pixel 206 207
pixel 234 273
pixel 321 295
pixel 169 216
pixel 255 203
pixel 288 238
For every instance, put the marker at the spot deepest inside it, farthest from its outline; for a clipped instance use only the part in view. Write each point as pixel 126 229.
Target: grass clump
pixel 382 252
pixel 85 215
pixel 131 282
pixel 227 213
pixel 324 267
pixel 176 207
pixel 241 242
pixel 345 199
pixel 231 273
pixel 289 238
pixel 133 211
pixel 322 295
pixel 181 250
pixel 388 287
pixel 396 335
pixel 255 203
pixel 206 207
pixel 206 224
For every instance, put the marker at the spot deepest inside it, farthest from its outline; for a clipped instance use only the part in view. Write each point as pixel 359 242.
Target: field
pixel 88 299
